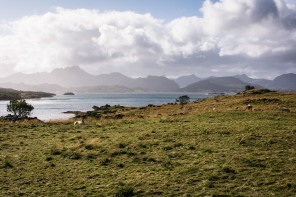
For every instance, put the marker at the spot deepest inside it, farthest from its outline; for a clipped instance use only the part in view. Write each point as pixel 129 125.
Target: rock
pixel 263 100
pixel 13 118
pixel 285 109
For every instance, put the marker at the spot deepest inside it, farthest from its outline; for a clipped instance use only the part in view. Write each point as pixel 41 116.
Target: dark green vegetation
pixel 248 87
pixel 19 108
pixel 9 94
pixel 69 93
pixel 158 151
pixel 183 100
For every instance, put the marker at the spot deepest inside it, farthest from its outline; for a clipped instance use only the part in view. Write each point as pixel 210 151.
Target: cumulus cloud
pixel 231 37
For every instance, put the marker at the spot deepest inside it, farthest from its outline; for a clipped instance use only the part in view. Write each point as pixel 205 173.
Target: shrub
pixel 73 155
pixel 106 161
pixel 248 87
pixel 89 147
pixel 227 169
pixel 19 108
pixel 7 164
pixel 121 145
pixel 95 107
pixel 192 148
pixel 48 158
pixel 120 165
pixel 56 149
pixel 183 100
pixel 213 178
pixel 125 191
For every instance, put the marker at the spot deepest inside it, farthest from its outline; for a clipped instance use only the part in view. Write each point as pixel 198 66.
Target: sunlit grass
pixel 157 151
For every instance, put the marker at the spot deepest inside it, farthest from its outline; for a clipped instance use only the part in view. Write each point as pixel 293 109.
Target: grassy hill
pixel 211 147
pixel 8 94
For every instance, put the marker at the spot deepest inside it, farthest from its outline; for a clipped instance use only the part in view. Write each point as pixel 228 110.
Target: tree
pixel 248 87
pixel 183 100
pixel 19 108
pixel 95 108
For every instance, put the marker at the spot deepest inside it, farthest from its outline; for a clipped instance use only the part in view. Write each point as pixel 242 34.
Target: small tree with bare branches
pixel 183 100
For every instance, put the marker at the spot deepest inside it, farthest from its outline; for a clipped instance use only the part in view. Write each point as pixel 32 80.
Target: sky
pixel 165 9
pixel 140 38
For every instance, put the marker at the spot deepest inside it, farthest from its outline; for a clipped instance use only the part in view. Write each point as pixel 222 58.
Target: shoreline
pixel 54 107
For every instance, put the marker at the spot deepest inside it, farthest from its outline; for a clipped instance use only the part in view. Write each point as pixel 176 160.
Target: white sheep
pixel 79 122
pixel 249 107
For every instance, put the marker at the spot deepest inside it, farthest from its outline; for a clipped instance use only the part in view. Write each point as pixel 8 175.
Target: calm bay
pixel 52 108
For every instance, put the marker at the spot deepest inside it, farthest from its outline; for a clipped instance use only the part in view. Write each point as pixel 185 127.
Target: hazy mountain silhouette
pixel 71 77
pixel 41 87
pixel 284 82
pixel 67 77
pixel 114 79
pixel 184 81
pixel 60 89
pixel 150 83
pixel 156 84
pixel 217 84
pixel 102 89
pixel 75 77
pixel 252 81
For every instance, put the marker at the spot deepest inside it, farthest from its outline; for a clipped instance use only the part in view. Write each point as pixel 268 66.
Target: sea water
pixel 52 108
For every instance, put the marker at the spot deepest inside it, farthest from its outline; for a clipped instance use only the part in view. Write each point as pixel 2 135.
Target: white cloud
pixel 249 27
pixel 230 36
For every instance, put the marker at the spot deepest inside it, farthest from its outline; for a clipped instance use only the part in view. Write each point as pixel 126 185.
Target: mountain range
pixel 285 82
pixel 218 84
pixel 184 81
pixel 77 80
pixel 74 78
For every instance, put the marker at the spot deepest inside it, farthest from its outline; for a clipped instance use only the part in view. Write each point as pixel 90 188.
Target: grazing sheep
pixel 214 109
pixel 249 107
pixel 79 122
pixel 285 109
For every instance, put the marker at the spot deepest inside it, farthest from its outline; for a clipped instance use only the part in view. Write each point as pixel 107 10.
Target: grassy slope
pixel 168 151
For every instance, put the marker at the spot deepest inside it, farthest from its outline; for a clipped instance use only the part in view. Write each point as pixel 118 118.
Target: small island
pixel 69 93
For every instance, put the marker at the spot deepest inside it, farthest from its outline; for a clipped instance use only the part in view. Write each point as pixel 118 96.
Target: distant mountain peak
pixel 286 75
pixel 243 76
pixel 217 84
pixel 74 68
pixel 69 69
pixel 187 80
pixel 284 82
pixel 117 74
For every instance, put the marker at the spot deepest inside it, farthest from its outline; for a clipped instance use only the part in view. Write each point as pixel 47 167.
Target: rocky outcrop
pixel 13 118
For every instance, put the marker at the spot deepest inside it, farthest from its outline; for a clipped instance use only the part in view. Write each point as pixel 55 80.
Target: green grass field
pixel 158 151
